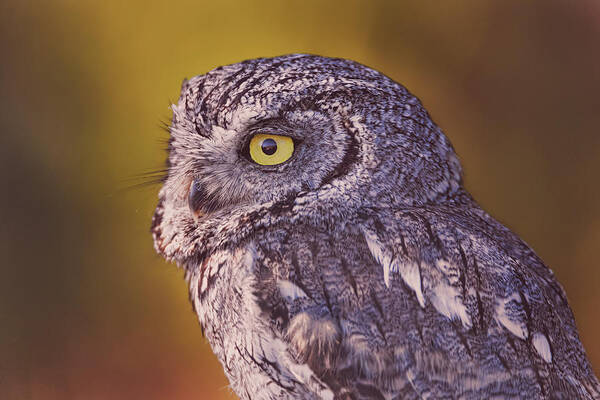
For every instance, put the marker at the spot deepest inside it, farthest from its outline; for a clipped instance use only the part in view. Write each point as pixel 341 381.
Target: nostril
pixel 196 197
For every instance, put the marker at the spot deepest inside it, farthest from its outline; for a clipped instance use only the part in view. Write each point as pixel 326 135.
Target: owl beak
pixel 197 197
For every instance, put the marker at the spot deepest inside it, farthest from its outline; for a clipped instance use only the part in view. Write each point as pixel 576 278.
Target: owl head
pixel 296 136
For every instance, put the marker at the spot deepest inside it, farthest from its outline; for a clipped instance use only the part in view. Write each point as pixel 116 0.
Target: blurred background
pixel 89 311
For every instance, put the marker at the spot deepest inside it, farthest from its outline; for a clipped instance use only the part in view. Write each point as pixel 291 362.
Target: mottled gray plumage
pixel 360 268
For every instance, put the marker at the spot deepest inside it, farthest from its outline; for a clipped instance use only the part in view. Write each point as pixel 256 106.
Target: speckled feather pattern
pixel 360 268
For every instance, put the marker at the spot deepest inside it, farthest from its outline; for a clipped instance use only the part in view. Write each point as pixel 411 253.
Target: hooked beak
pixel 197 197
pixel 203 202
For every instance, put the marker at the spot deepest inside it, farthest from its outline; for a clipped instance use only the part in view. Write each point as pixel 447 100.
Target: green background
pixel 89 311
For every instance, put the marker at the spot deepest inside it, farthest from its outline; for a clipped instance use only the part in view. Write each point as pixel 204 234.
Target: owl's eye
pixel 267 149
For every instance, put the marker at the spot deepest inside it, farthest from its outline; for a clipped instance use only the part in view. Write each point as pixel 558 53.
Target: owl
pixel 332 251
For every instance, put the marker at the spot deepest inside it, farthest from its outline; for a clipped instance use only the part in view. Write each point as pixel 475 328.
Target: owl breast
pixel 233 300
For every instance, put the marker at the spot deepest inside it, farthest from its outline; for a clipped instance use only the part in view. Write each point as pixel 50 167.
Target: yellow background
pixel 89 311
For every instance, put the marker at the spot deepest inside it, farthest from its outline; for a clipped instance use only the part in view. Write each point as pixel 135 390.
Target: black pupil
pixel 269 146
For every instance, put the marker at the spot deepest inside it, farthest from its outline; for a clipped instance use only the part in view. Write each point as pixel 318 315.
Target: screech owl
pixel 332 251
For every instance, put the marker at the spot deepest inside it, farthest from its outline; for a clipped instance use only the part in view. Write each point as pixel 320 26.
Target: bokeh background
pixel 89 311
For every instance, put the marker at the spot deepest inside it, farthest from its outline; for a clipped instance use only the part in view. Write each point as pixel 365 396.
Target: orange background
pixel 89 311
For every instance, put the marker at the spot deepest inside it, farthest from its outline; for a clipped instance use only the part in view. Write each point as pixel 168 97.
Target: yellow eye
pixel 271 149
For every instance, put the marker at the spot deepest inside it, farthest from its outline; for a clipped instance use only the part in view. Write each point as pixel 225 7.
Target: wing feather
pixel 425 303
